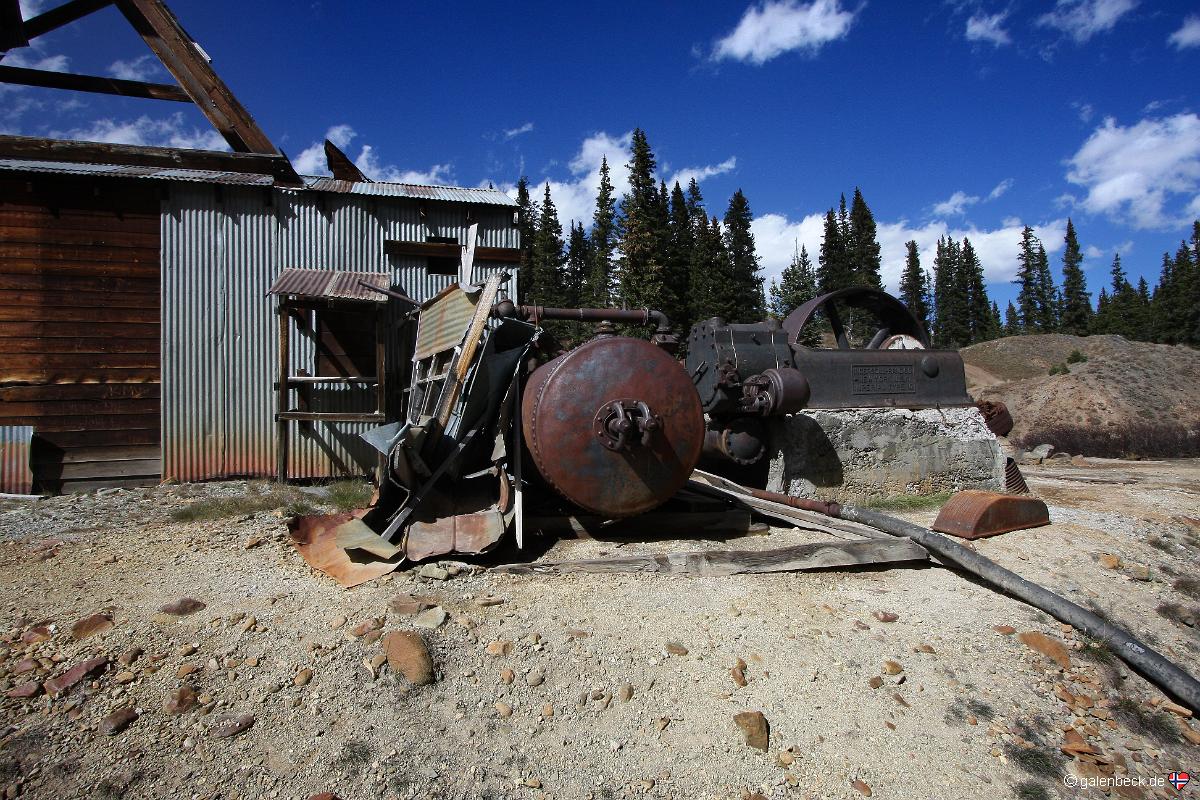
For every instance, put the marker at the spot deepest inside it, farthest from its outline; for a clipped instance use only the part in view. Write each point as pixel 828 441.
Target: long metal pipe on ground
pixel 1145 660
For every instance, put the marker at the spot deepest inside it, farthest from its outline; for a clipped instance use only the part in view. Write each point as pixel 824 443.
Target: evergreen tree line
pixel 653 247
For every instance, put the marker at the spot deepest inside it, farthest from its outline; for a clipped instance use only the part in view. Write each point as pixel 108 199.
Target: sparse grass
pixel 1155 724
pixel 1040 761
pixel 1145 440
pixel 355 754
pixel 1076 357
pixel 909 502
pixel 959 709
pixel 1031 790
pixel 1178 613
pixel 1161 544
pixel 1098 651
pixel 1187 586
pixel 253 501
pixel 349 495
pixel 1060 369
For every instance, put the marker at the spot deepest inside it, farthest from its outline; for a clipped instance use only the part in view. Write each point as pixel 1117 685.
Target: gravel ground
pixel 600 686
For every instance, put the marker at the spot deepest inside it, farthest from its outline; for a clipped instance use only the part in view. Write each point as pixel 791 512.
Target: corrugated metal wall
pixel 221 249
pixel 16 475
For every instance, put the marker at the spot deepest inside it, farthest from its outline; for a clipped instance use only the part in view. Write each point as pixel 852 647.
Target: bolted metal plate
pixel 558 411
pixel 973 514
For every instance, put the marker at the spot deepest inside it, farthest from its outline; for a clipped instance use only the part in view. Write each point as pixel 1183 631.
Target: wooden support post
pixel 381 381
pixel 281 424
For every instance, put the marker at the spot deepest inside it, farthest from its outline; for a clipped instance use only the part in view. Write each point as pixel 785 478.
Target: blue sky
pixel 965 117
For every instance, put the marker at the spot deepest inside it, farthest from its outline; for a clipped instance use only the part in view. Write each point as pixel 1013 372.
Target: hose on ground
pixel 1150 664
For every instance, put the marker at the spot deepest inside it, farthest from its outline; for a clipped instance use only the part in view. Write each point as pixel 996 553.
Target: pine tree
pixel 527 215
pixel 798 285
pixel 1028 304
pixel 863 245
pixel 979 308
pixel 643 269
pixel 1118 310
pixel 603 242
pixel 1012 321
pixel 995 324
pixel 952 323
pixel 835 272
pixel 1047 302
pixel 1076 317
pixel 578 266
pixel 710 272
pixel 914 288
pixel 546 284
pixel 745 284
pixel 679 259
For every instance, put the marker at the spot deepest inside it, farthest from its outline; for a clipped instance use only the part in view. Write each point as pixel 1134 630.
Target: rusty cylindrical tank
pixel 614 426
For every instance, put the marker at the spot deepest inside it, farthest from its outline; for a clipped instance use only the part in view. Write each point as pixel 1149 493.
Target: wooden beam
pixel 508 255
pixel 655 524
pixel 183 58
pixel 862 552
pixel 92 83
pixel 27 147
pixel 12 28
pixel 62 15
pixel 341 166
pixel 283 365
pixel 329 416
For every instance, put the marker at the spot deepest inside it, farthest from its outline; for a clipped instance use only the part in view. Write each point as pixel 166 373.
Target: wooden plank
pixel 81 253
pixel 109 236
pixel 74 345
pixel 825 555
pixel 47 409
pixel 62 216
pixel 75 375
pixel 80 299
pixel 97 84
pixel 95 437
pixel 54 282
pixel 36 330
pixel 49 313
pixel 132 468
pixel 80 361
pixel 62 15
pixel 115 269
pixel 81 455
pixel 654 524
pixel 90 422
pixel 80 391
pixel 92 484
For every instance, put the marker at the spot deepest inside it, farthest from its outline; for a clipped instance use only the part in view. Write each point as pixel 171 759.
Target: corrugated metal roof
pixel 329 284
pixel 128 171
pixel 452 194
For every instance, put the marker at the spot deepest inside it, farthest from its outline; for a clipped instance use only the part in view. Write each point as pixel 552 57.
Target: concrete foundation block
pixel 858 454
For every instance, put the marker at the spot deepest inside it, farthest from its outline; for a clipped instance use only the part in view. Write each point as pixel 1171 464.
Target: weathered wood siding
pixel 79 328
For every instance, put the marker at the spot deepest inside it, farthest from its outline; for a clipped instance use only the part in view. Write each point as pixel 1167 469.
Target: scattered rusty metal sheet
pixel 315 537
pixel 331 284
pixel 459 533
pixel 354 534
pixel 974 514
pixel 443 321
pixel 1014 481
pixel 996 416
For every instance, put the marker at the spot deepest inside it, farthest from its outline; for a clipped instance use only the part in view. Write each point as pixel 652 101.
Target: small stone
pixel 875 682
pixel 433 572
pixel 785 758
pixel 896 696
pixel 179 701
pixel 625 692
pixel 533 783
pixel 182 607
pixel 123 677
pixel 548 710
pixel 253 542
pixel 754 729
pixel 187 650
pixel 60 684
pixel 36 635
pixel 129 656
pixel 374 663
pixel 249 625
pixel 25 665
pixel 892 667
pixel 186 669
pixel 1110 561
pixel 408 656
pixel 535 677
pixel 91 626
pixel 363 628
pixel 503 709
pixel 232 726
pixel 923 648
pixel 861 786
pixel 661 723
pixel 1051 648
pixel 408 604
pixel 738 675
pixel 1004 630
pixel 1139 572
pixel 971 720
pixel 23 691
pixel 302 677
pixel 676 649
pixel 886 616
pixel 484 602
pixel 500 647
pixel 117 721
pixel 430 618
pixel 252 661
pixel 507 676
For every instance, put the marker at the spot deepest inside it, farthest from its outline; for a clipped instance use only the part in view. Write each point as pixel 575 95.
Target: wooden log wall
pixel 79 327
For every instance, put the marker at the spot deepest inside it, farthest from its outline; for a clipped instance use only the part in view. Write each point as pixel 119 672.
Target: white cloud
pixel 1083 19
pixel 311 161
pixel 1086 111
pixel 31 8
pixel 512 133
pixel 20 58
pixel 780 26
pixel 683 176
pixel 955 204
pixel 169 131
pixel 1188 34
pixel 1133 174
pixel 1001 187
pixel 142 68
pixel 575 197
pixel 775 236
pixel 983 28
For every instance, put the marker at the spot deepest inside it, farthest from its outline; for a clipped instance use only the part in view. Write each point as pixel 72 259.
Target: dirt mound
pixel 1121 383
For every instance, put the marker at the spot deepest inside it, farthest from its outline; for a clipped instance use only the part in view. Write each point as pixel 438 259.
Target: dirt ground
pixel 608 686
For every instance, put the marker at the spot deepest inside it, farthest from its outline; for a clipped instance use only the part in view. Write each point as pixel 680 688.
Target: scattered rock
pixel 182 607
pixel 408 604
pixel 500 647
pixel 363 628
pixel 25 665
pixel 535 677
pixel 337 622
pixel 129 656
pixel 187 650
pixel 232 726
pixel 117 721
pixel 60 684
pixel 892 667
pixel 430 618
pixel 36 635
pixel 186 669
pixel 896 696
pixel 1051 648
pixel 91 626
pixel 875 682
pixel 886 616
pixel 25 690
pixel 676 649
pixel 861 785
pixel 625 692
pixel 408 656
pixel 484 602
pixel 754 728
pixel 123 677
pixel 503 708
pixel 433 572
pixel 738 675
pixel 507 676
pixel 180 701
pixel 1139 572
pixel 1004 630
pixel 924 648
pixel 548 710
pixel 1110 561
pixel 302 677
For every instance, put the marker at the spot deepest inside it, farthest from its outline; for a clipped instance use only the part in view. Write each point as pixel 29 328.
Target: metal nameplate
pixel 882 379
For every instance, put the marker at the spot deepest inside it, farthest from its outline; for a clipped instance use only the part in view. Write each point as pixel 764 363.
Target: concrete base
pixel 860 454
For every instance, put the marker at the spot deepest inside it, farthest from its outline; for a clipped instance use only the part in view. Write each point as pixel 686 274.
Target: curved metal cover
pixel 560 403
pixel 892 314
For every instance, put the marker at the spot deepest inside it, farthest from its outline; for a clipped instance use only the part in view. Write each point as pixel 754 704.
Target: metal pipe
pixel 643 316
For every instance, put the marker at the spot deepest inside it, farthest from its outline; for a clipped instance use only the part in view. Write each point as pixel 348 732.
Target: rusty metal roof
pixel 129 171
pixel 328 284
pixel 451 194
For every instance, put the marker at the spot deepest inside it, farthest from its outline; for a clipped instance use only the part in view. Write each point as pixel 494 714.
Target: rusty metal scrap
pixel 973 514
